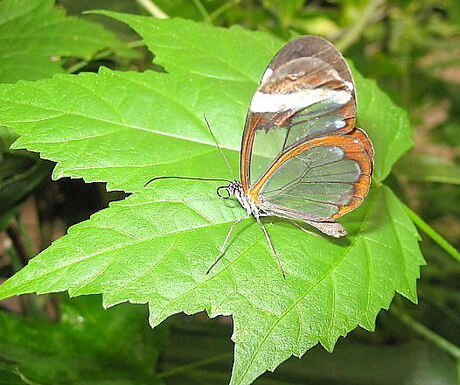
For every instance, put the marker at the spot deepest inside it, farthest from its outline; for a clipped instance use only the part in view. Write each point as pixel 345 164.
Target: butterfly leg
pixel 224 245
pixel 271 246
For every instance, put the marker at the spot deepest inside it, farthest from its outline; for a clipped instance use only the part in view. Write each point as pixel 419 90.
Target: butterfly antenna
pixel 218 146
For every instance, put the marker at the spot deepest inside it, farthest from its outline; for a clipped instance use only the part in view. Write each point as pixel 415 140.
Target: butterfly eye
pixel 226 195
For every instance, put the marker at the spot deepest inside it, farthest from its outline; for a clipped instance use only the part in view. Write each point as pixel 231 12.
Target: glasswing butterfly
pixel 301 156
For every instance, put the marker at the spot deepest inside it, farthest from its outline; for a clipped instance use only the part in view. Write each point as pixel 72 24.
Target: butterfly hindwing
pixel 319 180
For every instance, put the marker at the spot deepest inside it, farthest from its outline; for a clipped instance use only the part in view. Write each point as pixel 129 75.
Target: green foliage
pixel 352 363
pixel 155 246
pixel 121 147
pixel 35 38
pixel 387 123
pixel 19 175
pixel 88 345
pixel 428 168
pixel 75 350
pixel 139 250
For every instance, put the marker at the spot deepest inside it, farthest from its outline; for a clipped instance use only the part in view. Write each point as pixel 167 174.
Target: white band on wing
pixel 268 72
pixel 297 100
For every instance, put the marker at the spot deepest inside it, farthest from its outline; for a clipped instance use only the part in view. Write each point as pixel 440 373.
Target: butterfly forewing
pixel 319 180
pixel 306 92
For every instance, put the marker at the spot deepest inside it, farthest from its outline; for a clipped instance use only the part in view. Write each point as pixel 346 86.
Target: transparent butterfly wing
pixel 319 180
pixel 306 92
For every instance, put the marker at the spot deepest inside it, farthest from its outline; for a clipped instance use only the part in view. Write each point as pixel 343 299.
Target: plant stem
pixel 223 8
pixel 355 30
pixel 18 243
pixel 194 365
pixel 437 238
pixel 426 333
pixel 24 378
pixel 153 9
pixel 444 309
pixel 81 64
pixel 31 250
pixel 101 55
pixel 202 11
pixel 135 44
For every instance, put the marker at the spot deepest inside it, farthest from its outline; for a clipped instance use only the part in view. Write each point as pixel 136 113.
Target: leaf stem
pixel 83 63
pixel 204 13
pixel 135 44
pixel 101 55
pixel 355 30
pixel 194 365
pixel 437 238
pixel 223 8
pixel 443 308
pixel 24 378
pixel 153 9
pixel 31 250
pixel 19 244
pixel 426 333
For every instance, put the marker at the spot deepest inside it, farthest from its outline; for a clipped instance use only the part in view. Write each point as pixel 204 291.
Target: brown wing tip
pixel 333 229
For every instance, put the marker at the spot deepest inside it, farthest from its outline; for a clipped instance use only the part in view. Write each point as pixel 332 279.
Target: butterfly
pixel 302 158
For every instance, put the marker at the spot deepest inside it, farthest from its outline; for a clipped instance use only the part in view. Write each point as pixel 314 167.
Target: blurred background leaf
pixel 421 167
pixel 75 349
pixel 37 38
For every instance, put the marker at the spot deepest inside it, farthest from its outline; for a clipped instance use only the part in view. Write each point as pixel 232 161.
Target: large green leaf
pixel 126 127
pixel 155 246
pixel 34 37
pixel 91 113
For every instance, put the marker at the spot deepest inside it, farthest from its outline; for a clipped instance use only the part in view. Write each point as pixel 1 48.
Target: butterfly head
pixel 235 188
pixel 226 191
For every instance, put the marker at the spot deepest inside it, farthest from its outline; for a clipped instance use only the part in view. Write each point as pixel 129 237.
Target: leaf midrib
pixel 98 119
pixel 304 295
pixel 130 243
pixel 228 266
